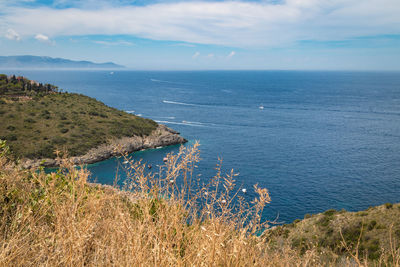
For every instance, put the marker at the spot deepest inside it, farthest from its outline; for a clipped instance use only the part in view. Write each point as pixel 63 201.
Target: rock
pixel 162 136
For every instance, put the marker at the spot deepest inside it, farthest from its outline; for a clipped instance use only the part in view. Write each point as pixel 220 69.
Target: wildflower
pixel 223 201
pixel 171 181
pixel 244 190
pixel 206 193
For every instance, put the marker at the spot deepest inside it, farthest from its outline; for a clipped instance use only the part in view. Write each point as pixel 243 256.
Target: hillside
pixel 37 120
pixel 49 62
pixel 372 231
pixel 59 219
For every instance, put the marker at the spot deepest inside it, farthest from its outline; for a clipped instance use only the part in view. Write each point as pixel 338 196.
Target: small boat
pixel 261 107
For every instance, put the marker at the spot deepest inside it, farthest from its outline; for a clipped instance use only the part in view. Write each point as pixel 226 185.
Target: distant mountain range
pixel 49 62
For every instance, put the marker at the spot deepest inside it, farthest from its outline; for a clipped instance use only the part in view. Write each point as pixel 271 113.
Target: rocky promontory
pixel 38 119
pixel 162 136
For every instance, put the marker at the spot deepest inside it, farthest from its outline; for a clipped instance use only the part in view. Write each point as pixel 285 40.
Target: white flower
pixel 223 201
pixel 171 181
pixel 244 190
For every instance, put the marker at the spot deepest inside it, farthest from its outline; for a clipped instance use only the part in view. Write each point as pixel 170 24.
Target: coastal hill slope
pixel 28 61
pixel 37 119
pixel 371 232
pixel 61 219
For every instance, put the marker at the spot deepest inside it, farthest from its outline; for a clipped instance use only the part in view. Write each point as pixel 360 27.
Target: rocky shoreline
pixel 161 137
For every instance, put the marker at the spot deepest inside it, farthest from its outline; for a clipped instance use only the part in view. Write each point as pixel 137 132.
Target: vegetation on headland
pixel 370 233
pixel 167 218
pixel 37 119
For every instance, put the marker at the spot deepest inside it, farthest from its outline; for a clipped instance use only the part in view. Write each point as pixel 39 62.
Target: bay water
pixel 317 140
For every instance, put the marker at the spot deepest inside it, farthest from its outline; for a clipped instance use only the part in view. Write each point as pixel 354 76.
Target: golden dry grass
pixel 168 218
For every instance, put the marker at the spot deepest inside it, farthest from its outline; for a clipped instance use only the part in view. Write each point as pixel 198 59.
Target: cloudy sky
pixel 208 34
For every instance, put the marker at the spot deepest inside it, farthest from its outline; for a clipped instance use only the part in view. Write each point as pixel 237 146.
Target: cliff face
pixel 162 136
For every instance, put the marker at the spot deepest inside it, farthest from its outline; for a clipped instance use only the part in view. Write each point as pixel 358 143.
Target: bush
pixel 388 205
pixel 324 221
pixel 58 140
pixel 29 120
pixel 330 212
pixel 372 225
pixel 11 137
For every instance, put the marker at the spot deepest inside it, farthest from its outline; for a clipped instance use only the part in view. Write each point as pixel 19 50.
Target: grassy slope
pixel 59 219
pixel 328 230
pixel 35 128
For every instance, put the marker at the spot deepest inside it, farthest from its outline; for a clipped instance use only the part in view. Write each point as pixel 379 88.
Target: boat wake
pixel 182 123
pixel 179 103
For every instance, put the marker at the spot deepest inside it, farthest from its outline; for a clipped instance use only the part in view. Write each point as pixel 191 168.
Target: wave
pixel 194 122
pixel 130 111
pixel 169 118
pixel 181 123
pixel 179 103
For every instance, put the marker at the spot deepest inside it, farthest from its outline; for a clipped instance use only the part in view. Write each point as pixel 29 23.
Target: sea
pixel 316 140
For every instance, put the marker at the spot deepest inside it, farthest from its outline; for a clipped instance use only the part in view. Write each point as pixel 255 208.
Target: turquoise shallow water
pixel 323 140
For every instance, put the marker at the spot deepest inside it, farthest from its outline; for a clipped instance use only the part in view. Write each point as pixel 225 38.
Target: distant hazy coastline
pixel 39 62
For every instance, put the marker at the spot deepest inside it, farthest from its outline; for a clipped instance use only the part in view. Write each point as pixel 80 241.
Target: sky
pixel 208 34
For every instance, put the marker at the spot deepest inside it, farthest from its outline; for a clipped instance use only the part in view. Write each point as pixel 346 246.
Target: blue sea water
pixel 323 140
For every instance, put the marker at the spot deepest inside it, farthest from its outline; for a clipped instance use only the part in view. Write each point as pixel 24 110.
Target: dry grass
pixel 167 219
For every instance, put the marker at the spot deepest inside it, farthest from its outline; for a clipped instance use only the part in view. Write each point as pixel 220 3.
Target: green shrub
pixel 11 137
pixel 330 212
pixel 388 205
pixel 371 225
pixel 58 140
pixel 29 120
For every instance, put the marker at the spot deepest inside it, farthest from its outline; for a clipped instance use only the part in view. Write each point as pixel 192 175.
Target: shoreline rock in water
pixel 161 137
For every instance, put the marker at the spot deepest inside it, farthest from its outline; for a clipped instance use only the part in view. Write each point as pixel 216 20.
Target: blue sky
pixel 212 34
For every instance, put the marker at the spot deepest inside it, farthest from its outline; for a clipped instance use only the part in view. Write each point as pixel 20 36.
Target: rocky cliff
pixel 162 136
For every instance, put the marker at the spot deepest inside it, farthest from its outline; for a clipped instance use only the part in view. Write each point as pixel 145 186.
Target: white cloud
pixel 232 23
pixel 43 38
pixel 113 43
pixel 12 35
pixel 196 55
pixel 184 45
pixel 231 54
